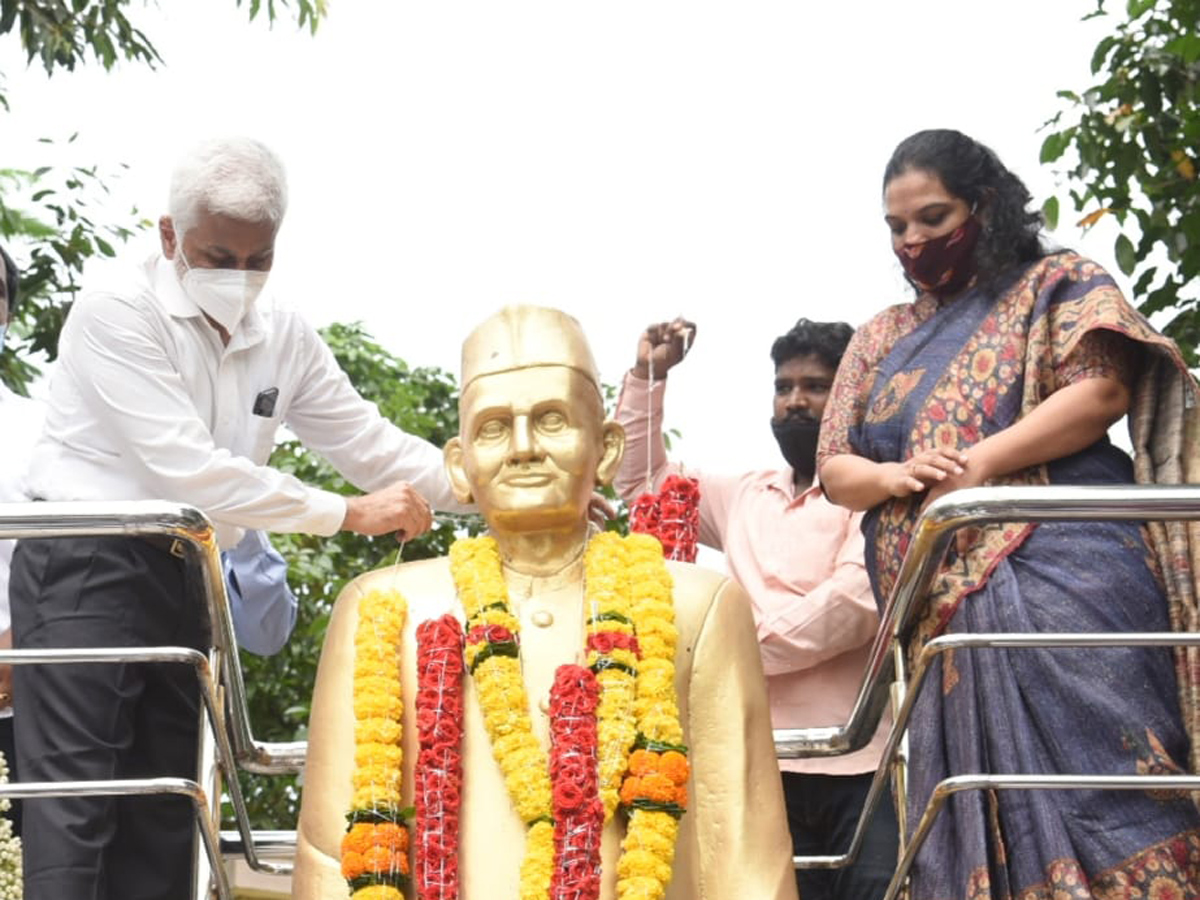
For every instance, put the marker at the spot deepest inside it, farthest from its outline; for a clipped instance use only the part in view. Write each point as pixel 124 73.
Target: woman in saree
pixel 1008 369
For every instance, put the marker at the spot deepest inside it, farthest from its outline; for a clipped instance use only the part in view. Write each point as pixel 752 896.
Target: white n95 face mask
pixel 226 295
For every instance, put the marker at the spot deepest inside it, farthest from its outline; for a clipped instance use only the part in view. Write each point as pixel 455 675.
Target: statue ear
pixel 456 473
pixel 614 448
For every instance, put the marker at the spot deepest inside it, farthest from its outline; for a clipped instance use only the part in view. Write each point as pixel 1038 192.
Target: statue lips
pixel 526 478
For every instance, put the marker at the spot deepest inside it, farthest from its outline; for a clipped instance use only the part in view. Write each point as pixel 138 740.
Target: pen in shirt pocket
pixel 264 403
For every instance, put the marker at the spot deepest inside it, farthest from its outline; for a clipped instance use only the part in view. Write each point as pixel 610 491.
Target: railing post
pixel 899 762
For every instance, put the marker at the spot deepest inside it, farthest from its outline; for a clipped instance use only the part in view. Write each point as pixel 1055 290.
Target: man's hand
pixel 600 511
pixel 662 346
pixel 397 508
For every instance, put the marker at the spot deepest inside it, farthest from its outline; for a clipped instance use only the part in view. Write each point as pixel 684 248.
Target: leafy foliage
pixel 50 211
pixel 1132 137
pixel 65 33
pixel 422 401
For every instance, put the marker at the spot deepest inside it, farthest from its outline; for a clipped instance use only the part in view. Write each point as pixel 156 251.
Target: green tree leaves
pixel 1130 145
pixel 51 212
pixel 62 34
pixel 47 214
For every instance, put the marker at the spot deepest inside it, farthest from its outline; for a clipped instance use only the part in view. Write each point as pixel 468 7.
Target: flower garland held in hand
pixel 438 774
pixel 629 596
pixel 672 515
pixel 375 848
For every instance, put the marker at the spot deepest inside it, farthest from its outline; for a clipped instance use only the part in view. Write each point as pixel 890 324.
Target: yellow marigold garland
pixel 492 634
pixel 537 868
pixel 631 611
pixel 655 791
pixel 607 589
pixel 375 847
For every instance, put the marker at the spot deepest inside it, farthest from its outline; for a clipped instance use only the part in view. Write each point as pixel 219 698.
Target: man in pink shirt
pixel 800 559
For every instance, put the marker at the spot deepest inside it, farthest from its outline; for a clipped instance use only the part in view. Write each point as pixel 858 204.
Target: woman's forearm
pixel 855 482
pixel 1070 419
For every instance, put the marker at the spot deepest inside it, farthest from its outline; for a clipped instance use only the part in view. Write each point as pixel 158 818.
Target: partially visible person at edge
pixel 1008 369
pixel 22 420
pixel 172 385
pixel 800 559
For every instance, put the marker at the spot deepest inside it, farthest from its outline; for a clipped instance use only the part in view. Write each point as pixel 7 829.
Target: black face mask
pixel 797 438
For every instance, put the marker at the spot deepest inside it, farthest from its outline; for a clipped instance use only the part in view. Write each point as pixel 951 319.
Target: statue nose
pixel 524 443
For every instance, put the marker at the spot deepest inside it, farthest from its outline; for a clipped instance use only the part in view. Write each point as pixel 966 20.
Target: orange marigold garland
pixel 375 848
pixel 655 790
pixel 438 773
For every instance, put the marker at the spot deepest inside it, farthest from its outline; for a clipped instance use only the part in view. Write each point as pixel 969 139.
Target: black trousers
pixel 124 720
pixel 823 811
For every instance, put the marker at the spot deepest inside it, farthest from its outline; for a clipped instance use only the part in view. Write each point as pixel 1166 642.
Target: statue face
pixel 532 447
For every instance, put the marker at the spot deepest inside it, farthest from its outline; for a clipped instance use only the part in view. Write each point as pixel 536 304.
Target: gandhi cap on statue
pixel 520 337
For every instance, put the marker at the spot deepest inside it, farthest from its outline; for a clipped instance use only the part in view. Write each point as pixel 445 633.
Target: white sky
pixel 625 161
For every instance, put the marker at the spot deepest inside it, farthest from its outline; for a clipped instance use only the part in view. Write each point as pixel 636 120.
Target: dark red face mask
pixel 942 265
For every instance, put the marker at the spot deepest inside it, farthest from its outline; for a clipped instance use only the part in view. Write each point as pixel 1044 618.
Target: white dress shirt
pixel 146 404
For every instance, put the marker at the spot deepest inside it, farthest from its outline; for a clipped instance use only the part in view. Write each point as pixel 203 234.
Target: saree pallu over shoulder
pixel 1164 425
pixel 951 375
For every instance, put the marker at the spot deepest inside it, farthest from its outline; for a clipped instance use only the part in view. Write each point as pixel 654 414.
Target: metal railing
pixel 153 517
pixel 931 539
pixel 237 748
pixel 216 672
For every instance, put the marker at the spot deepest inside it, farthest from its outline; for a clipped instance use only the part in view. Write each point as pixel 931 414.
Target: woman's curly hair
pixel 973 173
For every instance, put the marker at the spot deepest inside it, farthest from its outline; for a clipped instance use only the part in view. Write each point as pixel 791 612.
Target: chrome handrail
pixel 930 540
pixel 958 783
pixel 278 844
pixel 134 787
pixel 235 741
pixel 157 517
pixel 976 641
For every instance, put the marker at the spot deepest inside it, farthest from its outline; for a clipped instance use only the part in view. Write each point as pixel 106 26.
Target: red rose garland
pixel 672 516
pixel 437 774
pixel 578 812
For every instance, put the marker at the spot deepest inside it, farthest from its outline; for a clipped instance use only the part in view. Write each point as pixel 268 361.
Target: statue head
pixel 533 443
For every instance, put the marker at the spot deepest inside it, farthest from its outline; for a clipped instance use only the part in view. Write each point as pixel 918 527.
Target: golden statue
pixel 533 445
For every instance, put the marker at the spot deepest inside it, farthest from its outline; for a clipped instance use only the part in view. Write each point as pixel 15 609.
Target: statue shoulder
pixel 425 584
pixel 697 591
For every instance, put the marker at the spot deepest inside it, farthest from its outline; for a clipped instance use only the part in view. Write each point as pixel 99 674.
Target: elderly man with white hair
pixel 172 385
